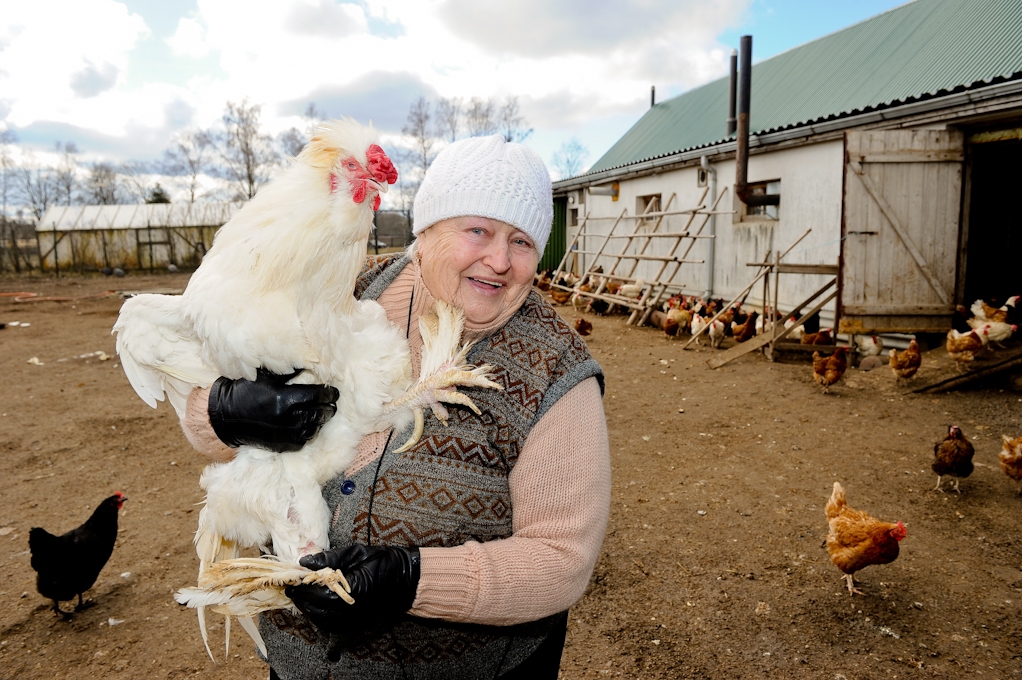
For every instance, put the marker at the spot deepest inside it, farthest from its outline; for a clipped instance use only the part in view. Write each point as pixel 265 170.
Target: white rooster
pixel 276 292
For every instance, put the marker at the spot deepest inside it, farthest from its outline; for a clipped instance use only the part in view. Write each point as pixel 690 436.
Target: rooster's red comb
pixel 380 165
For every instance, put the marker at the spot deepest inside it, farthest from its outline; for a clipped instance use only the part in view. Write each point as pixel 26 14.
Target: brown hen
pixel 857 540
pixel 905 364
pixel 1011 459
pixel 952 456
pixel 828 370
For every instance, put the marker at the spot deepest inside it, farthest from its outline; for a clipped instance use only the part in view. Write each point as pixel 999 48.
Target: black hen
pixel 68 565
pixel 953 456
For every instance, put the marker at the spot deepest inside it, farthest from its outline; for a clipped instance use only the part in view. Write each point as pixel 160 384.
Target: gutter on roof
pixel 834 124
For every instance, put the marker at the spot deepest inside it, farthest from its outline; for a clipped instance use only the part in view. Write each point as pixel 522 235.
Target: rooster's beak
pixel 382 188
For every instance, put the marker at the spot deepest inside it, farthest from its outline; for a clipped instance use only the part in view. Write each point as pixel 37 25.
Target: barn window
pixel 573 217
pixel 647 204
pixel 759 213
pixel 745 213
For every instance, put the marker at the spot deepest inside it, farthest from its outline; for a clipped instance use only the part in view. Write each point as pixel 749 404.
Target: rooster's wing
pixel 159 350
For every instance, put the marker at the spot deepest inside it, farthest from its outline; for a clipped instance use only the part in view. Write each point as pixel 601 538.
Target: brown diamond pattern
pixel 442 499
pixel 409 492
pixel 474 506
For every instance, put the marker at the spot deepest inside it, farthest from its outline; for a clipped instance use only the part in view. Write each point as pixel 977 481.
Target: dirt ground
pixel 712 566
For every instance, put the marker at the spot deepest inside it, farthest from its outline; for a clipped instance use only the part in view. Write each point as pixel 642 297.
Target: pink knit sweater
pixel 560 492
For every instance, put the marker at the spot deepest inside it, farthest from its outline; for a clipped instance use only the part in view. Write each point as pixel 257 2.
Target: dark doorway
pixel 992 271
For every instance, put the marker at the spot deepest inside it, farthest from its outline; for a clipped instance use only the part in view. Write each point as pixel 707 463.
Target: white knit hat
pixel 488 177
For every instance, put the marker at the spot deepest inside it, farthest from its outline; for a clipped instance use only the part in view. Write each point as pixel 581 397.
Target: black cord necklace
pixel 379 462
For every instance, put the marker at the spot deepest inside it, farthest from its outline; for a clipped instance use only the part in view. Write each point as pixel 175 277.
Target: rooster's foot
pixel 956 487
pixel 938 485
pixel 82 605
pixel 852 590
pixel 439 389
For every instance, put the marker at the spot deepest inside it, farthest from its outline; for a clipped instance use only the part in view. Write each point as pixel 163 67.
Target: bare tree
pixel 479 117
pixel 66 175
pixel 448 117
pixel 570 158
pixel 246 152
pixel 313 117
pixel 136 180
pixel 7 170
pixel 511 122
pixel 103 184
pixel 37 188
pixel 188 158
pixel 419 129
pixel 291 142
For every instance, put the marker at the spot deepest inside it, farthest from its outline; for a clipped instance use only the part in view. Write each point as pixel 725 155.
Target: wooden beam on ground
pixel 763 339
pixel 957 381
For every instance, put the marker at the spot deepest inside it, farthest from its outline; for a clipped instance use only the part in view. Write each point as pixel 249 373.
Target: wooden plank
pixel 662 234
pixel 824 269
pixel 974 375
pixel 740 350
pixel 912 156
pixel 892 219
pixel 747 289
pixel 898 310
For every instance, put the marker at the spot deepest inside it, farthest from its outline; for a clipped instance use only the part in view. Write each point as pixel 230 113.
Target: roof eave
pixel 821 126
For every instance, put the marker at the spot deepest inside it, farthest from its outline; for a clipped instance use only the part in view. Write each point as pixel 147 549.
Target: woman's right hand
pixel 267 412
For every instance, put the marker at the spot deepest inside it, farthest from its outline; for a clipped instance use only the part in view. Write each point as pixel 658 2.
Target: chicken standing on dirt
pixel 869 345
pixel 275 294
pixel 952 456
pixel 747 330
pixel 828 370
pixel 69 565
pixel 857 540
pixel 583 327
pixel 905 364
pixel 716 333
pixel 1011 459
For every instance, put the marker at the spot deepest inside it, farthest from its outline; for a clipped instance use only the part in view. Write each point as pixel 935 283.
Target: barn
pixel 880 161
pixel 147 237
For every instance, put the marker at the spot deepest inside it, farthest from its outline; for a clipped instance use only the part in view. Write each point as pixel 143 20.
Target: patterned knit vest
pixel 450 488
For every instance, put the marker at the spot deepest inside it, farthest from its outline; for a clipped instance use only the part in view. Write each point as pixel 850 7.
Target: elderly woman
pixel 465 552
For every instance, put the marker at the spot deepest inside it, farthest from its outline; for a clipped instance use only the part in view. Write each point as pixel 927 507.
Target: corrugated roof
pixel 92 217
pixel 919 50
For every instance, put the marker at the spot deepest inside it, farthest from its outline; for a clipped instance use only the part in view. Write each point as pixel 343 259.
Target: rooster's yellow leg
pixel 852 590
pixel 938 484
pixel 436 390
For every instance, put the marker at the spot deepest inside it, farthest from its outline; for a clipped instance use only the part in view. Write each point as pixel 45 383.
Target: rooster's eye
pixel 351 166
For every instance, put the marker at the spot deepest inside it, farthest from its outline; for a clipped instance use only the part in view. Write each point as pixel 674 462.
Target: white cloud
pixel 572 64
pixel 189 40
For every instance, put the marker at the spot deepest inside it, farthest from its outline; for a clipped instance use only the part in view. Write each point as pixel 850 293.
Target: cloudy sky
pixel 121 78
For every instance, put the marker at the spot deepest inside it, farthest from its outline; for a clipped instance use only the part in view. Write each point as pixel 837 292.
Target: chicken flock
pixel 855 539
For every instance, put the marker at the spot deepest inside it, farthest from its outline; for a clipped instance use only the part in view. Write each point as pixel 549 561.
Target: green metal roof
pixel 918 50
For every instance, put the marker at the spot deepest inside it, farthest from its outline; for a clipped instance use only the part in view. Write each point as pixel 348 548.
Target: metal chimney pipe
pixel 652 96
pixel 732 92
pixel 742 150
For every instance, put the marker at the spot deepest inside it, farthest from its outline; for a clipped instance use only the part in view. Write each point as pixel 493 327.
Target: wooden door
pixel 900 224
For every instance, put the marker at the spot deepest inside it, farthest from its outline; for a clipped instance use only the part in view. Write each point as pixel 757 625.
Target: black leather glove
pixel 383 583
pixel 267 412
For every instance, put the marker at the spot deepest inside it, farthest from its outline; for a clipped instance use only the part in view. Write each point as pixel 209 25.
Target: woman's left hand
pixel 383 584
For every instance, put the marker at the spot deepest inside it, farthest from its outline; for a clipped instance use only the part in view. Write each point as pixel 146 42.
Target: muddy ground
pixel 712 566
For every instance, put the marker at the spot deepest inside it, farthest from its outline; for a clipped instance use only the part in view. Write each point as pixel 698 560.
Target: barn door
pixel 900 230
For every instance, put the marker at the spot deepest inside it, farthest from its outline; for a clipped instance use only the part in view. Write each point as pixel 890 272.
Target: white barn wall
pixel 811 195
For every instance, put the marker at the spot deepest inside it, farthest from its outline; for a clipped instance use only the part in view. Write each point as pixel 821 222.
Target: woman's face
pixel 483 266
